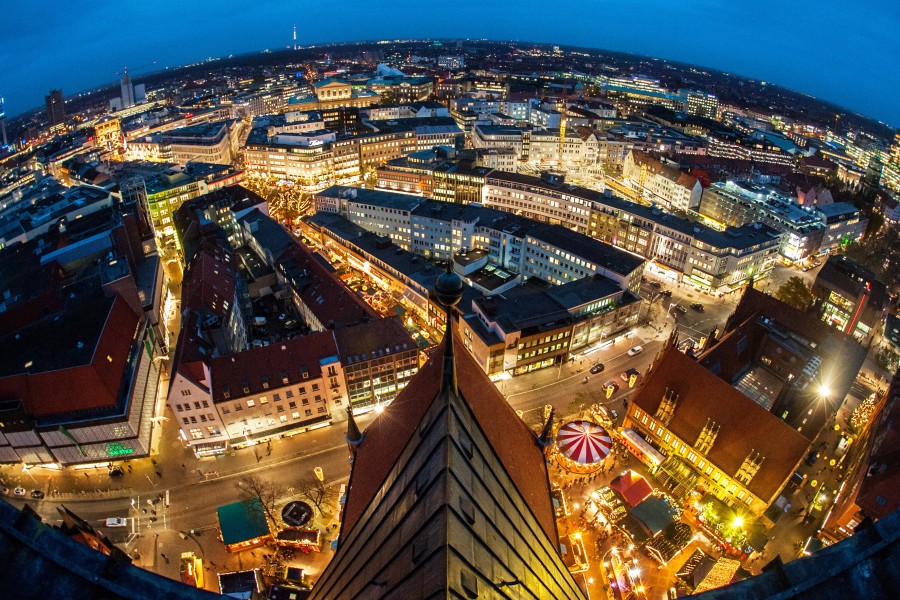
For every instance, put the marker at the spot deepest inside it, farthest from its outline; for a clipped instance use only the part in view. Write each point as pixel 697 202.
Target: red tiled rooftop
pixel 268 365
pixel 745 426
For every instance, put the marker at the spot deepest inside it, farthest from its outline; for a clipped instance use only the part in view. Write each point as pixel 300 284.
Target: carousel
pixel 582 446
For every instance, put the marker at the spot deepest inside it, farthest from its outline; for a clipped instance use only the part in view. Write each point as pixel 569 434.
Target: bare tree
pixel 318 493
pixel 268 492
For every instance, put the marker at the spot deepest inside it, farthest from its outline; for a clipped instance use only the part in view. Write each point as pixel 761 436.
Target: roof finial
pixel 546 438
pixel 354 437
pixel 448 290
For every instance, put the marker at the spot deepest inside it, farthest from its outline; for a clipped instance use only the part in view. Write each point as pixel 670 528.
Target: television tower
pixel 295 37
pixel 3 121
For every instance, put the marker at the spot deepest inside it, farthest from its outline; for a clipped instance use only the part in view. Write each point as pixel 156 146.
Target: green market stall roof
pixel 243 521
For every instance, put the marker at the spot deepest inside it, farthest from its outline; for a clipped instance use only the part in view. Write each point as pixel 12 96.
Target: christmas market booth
pixel 244 525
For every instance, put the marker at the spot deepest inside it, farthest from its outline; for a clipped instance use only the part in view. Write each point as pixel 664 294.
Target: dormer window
pixel 265 382
pixel 226 391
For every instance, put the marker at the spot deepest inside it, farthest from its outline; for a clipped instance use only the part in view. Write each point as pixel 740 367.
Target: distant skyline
pixel 836 51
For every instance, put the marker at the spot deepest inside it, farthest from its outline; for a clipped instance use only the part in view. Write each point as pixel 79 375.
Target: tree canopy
pixel 795 292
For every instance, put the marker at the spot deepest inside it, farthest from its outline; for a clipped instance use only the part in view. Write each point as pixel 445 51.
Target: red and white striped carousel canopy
pixel 583 441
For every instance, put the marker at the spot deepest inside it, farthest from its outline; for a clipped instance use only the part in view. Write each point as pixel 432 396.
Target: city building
pixel 438 230
pixel 81 322
pixel 849 297
pixel 786 360
pixel 678 249
pixel 210 143
pixel 526 329
pixel 167 188
pixel 452 63
pixel 733 203
pixel 402 88
pixel 378 359
pixel 447 425
pixel 701 104
pixel 844 225
pixel 227 392
pixel 661 183
pixel 108 134
pixel 127 87
pixel 56 110
pixel 333 93
pixel 710 435
pixel 442 173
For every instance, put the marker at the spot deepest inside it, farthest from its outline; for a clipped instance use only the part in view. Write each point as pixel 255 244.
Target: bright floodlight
pixel 738 521
pixel 824 391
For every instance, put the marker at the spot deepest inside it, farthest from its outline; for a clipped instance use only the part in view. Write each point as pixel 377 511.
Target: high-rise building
pixel 56 108
pixel 449 494
pixel 127 91
pixel 701 104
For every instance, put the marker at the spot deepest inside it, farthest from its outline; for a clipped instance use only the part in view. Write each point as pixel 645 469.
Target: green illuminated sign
pixel 118 450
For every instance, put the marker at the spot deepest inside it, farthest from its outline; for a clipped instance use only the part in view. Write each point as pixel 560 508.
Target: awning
pixel 631 437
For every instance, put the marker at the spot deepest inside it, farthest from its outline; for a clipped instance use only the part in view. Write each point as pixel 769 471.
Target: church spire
pixel 448 290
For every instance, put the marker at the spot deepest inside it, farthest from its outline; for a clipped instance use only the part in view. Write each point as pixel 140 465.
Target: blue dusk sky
pixel 844 52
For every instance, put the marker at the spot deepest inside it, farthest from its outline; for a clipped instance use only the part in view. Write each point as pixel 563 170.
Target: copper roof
pixel 745 426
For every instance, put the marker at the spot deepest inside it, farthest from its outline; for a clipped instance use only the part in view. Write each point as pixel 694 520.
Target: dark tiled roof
pixel 260 369
pixel 333 303
pixel 72 377
pixel 377 338
pixel 745 426
pixel 209 283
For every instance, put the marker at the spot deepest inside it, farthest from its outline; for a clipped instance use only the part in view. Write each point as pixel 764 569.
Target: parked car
pixel 697 306
pixel 635 351
pixel 666 293
pixel 680 308
pixel 37 494
pixel 611 384
pixel 4 491
pixel 628 373
pixel 116 522
pixel 282 316
pixel 656 284
pixel 598 368
pixel 290 324
pixel 19 491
